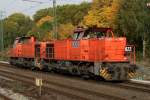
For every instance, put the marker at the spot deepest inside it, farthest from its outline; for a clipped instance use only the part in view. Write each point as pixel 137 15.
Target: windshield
pixel 75 36
pixel 16 41
pixel 24 40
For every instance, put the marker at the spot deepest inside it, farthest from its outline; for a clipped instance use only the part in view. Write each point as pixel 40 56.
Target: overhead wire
pixel 7 7
pixel 35 1
pixel 32 7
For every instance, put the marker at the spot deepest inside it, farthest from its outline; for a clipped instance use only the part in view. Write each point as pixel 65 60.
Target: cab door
pixel 75 49
pixel 75 46
pixel 85 49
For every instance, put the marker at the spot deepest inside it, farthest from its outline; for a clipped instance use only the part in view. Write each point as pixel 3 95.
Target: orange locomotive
pixel 90 52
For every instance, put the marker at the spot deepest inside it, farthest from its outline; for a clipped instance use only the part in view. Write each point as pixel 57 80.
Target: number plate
pixel 75 44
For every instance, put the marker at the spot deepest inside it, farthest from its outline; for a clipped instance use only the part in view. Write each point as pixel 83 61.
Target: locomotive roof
pixel 22 37
pixel 99 29
pixel 81 29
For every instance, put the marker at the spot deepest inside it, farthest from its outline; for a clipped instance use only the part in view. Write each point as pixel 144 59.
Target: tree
pixel 43 20
pixel 68 16
pixel 103 13
pixel 24 22
pixel 65 30
pixel 65 14
pixel 129 17
pixel 10 32
pixel 134 21
pixel 42 13
pixel 16 25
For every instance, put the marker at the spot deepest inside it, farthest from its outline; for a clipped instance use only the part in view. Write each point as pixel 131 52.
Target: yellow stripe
pixel 104 73
pixel 108 76
pixel 101 71
pixel 129 75
pixel 132 74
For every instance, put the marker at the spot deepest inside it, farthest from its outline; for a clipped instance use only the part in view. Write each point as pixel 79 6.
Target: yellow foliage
pixel 102 14
pixel 43 20
pixel 48 36
pixel 65 30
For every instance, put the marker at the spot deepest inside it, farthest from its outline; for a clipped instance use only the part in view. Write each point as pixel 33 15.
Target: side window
pixel 90 35
pixel 78 36
pixel 94 35
pixel 100 34
pixel 75 36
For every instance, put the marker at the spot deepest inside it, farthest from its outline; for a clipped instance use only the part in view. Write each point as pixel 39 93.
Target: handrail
pixel 132 54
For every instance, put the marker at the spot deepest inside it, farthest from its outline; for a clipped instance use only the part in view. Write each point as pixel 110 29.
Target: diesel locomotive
pixel 90 52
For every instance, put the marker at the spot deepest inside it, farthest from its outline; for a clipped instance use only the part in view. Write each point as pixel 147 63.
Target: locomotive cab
pixel 26 39
pixel 20 48
pixel 99 45
pixel 78 33
pixel 22 40
pixel 81 33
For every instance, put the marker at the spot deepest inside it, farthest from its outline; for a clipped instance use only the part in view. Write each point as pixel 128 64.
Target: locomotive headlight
pixel 128 49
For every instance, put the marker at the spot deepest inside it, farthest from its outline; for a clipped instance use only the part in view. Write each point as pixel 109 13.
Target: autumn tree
pixel 65 30
pixel 134 22
pixel 103 13
pixel 16 25
pixel 24 22
pixel 69 13
pixel 68 16
pixel 126 17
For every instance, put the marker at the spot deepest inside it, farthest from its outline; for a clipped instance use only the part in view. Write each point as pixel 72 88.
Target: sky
pixel 29 8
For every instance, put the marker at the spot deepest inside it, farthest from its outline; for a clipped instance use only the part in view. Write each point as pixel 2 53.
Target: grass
pixel 4 55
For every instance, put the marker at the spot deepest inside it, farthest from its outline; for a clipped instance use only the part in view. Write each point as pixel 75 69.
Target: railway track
pixel 73 89
pixel 3 97
pixel 67 90
pixel 136 86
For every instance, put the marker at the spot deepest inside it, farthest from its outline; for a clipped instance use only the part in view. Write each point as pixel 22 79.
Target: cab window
pixel 24 40
pixel 15 43
pixel 75 36
pixel 78 36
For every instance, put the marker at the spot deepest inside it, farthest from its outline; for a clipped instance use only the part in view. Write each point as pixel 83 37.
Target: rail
pixel 57 87
pixel 74 89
